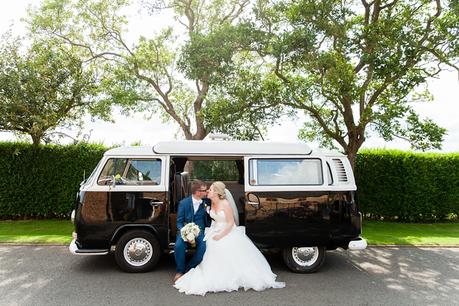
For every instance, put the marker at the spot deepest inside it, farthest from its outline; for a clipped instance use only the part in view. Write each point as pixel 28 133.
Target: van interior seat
pixel 181 190
pixel 182 186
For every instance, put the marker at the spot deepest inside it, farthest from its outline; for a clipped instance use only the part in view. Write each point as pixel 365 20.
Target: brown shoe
pixel 177 276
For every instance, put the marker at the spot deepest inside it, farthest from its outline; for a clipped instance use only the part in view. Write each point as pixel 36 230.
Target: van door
pixel 138 195
pixel 286 202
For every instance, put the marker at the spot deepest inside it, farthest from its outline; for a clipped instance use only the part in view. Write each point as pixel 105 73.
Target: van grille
pixel 342 176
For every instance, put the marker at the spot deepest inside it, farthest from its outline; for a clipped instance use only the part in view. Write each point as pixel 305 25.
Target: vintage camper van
pixel 289 198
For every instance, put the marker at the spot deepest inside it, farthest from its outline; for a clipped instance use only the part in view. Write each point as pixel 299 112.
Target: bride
pixel 231 260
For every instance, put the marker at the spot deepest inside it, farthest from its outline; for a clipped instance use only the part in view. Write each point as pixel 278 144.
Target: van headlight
pixel 72 216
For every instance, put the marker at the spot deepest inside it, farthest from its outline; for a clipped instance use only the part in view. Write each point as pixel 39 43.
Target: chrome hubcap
pixel 138 251
pixel 305 256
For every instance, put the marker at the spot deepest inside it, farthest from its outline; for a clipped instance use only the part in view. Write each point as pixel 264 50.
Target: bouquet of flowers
pixel 189 233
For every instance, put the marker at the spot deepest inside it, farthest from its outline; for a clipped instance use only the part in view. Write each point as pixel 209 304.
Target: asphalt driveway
pixel 50 275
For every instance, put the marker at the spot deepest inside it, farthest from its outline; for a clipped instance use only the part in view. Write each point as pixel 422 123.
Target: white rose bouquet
pixel 189 233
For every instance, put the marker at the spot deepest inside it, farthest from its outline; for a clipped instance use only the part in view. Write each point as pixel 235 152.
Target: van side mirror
pixel 113 182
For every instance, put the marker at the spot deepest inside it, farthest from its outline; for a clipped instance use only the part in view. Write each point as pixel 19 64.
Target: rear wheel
pixel 304 259
pixel 137 251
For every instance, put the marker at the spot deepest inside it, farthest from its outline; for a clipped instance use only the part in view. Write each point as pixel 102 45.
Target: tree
pixel 41 88
pixel 352 66
pixel 179 72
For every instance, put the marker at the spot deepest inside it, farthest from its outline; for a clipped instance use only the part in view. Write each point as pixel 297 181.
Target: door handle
pixel 254 204
pixel 156 204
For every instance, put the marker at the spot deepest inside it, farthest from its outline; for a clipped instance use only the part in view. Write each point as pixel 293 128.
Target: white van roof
pixel 203 147
pixel 229 148
pixel 128 151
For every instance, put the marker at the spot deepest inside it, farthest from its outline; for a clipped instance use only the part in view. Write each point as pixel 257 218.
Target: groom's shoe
pixel 177 276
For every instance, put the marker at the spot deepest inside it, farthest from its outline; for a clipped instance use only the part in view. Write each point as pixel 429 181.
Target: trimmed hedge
pixel 42 182
pixel 407 186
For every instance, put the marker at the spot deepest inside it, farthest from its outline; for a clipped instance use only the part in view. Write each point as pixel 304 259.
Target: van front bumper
pixel 357 244
pixel 73 248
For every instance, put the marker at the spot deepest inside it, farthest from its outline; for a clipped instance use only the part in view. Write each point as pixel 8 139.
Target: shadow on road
pixel 390 276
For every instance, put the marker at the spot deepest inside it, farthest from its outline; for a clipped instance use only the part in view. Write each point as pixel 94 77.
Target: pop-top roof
pixel 230 148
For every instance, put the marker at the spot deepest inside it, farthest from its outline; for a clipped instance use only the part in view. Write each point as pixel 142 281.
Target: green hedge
pixel 42 182
pixel 407 186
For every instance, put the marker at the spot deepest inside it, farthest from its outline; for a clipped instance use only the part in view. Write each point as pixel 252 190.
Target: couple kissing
pixel 225 259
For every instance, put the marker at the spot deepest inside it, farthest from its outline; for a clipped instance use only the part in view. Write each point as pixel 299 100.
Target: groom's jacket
pixel 186 214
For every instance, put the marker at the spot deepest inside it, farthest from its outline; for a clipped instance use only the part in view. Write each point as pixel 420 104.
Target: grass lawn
pixel 36 231
pixel 380 233
pixel 376 232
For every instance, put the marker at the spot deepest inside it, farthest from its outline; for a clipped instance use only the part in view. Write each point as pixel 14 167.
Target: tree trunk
pixel 36 138
pixel 352 149
pixel 352 156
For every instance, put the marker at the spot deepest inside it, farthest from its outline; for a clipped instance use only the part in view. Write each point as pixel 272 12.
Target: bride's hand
pixel 217 237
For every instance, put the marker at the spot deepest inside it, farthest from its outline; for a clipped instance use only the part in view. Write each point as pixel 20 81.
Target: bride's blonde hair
pixel 219 189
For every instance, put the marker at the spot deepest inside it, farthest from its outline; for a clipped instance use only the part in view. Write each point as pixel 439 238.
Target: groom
pixel 191 209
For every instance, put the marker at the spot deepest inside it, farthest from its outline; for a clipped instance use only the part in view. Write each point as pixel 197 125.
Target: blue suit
pixel 186 215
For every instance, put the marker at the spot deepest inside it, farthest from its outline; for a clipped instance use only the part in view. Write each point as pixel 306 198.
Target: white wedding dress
pixel 228 264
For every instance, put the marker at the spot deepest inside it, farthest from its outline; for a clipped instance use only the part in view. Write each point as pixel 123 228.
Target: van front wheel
pixel 304 259
pixel 137 251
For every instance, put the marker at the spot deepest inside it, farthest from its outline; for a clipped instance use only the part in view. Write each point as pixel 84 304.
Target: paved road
pixel 31 275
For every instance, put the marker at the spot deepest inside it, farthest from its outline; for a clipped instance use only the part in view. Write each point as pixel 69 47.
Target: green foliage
pixel 176 72
pixel 212 55
pixel 42 181
pixel 354 66
pixel 383 233
pixel 36 231
pixel 406 186
pixel 42 87
pixel 215 170
pixel 241 110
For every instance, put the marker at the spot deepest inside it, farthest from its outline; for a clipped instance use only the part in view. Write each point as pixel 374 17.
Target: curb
pixel 31 244
pixel 432 246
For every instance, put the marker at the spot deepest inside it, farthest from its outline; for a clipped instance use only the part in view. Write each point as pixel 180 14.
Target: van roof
pixel 137 150
pixel 222 147
pixel 228 148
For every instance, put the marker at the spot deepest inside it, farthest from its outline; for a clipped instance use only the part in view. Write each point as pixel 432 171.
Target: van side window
pixel 215 170
pixel 144 172
pixel 296 171
pixel 131 172
pixel 114 168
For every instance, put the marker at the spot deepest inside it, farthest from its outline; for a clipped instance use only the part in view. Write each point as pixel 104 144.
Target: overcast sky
pixel 444 110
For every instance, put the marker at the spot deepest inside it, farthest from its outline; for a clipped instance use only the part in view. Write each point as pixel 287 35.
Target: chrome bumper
pixel 358 244
pixel 73 248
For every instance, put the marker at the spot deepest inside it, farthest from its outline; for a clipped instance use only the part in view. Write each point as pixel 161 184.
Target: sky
pixel 444 110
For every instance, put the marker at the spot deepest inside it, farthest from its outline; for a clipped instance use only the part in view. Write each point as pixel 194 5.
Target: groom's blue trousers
pixel 180 250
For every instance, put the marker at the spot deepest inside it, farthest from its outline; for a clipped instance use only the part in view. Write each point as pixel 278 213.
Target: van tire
pixel 304 259
pixel 137 251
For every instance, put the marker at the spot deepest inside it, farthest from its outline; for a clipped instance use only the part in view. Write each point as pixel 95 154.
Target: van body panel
pixel 103 209
pixel 290 219
pixel 285 219
pixel 102 213
pixel 299 199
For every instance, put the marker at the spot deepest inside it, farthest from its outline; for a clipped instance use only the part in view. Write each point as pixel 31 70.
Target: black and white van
pixel 289 198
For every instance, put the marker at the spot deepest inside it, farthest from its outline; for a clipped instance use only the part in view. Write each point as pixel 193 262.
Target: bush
pixel 407 186
pixel 42 182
